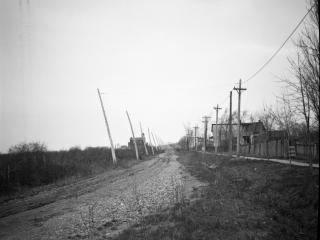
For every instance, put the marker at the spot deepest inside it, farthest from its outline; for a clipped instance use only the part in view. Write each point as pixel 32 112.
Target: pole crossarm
pixel 239 89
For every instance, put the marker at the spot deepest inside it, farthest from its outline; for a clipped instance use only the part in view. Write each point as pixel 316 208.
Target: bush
pixel 30 164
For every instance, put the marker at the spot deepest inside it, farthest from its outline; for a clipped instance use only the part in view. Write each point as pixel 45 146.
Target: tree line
pixel 31 164
pixel 296 110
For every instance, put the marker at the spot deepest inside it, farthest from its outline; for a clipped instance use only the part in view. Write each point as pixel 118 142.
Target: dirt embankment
pixel 99 207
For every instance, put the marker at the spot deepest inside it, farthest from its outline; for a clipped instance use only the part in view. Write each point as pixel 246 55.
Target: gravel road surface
pixel 104 204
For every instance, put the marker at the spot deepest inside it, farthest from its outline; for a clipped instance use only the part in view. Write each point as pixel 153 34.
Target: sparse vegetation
pixel 244 200
pixel 30 164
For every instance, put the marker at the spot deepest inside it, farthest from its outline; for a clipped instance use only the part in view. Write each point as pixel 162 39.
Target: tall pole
pixel 217 115
pixel 158 141
pixel 239 120
pixel 134 139
pixel 195 137
pixel 144 140
pixel 114 158
pixel 150 142
pixel 205 121
pixel 230 124
pixel 187 139
pixel 154 141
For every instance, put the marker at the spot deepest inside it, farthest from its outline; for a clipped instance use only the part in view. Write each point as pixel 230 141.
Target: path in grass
pixel 245 199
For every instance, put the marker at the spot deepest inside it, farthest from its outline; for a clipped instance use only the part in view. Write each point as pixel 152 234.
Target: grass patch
pixel 245 199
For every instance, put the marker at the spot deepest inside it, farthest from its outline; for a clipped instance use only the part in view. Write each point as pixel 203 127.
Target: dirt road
pixel 104 204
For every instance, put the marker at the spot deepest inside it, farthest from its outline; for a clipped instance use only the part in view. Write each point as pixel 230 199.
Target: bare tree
pixel 28 147
pixel 267 117
pixel 304 87
pixel 285 115
pixel 307 65
pixel 224 129
pixel 187 137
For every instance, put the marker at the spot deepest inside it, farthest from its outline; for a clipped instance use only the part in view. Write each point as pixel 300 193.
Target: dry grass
pixel 244 200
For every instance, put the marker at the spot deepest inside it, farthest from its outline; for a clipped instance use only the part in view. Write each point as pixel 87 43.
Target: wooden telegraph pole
pixel 154 141
pixel 114 158
pixel 230 125
pixel 187 139
pixel 205 121
pixel 134 139
pixel 217 114
pixel 150 142
pixel 158 141
pixel 144 140
pixel 239 89
pixel 195 137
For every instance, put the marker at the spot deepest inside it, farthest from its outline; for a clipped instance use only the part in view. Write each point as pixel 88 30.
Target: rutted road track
pixel 107 203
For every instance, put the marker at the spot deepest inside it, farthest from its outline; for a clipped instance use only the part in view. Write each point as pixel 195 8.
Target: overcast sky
pixel 168 62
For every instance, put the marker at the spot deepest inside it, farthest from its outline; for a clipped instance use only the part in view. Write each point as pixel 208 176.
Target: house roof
pixel 254 127
pixel 137 139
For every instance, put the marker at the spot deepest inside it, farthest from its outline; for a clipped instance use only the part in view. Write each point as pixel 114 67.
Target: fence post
pixel 267 145
pixel 259 149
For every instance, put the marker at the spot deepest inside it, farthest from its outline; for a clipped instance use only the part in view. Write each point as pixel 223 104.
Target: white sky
pixel 168 62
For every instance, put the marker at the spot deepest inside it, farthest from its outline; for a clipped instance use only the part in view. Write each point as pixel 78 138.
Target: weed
pixel 88 221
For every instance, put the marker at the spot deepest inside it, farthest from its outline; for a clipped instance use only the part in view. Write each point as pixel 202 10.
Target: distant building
pixel 250 132
pixel 139 141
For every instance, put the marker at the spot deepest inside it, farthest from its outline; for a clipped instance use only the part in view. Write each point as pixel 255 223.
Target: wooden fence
pixel 280 149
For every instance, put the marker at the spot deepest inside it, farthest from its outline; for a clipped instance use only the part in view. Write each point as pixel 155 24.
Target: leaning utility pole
pixel 230 124
pixel 217 114
pixel 114 158
pixel 150 142
pixel 154 141
pixel 158 141
pixel 195 137
pixel 239 89
pixel 144 140
pixel 134 139
pixel 205 121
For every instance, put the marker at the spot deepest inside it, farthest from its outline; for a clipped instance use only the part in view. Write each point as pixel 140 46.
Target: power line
pixel 275 53
pixel 278 50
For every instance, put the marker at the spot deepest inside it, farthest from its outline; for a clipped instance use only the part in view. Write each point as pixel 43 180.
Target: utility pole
pixel 150 142
pixel 189 138
pixel 195 137
pixel 114 158
pixel 144 140
pixel 230 124
pixel 205 121
pixel 239 89
pixel 155 143
pixel 217 114
pixel 158 141
pixel 188 135
pixel 134 139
